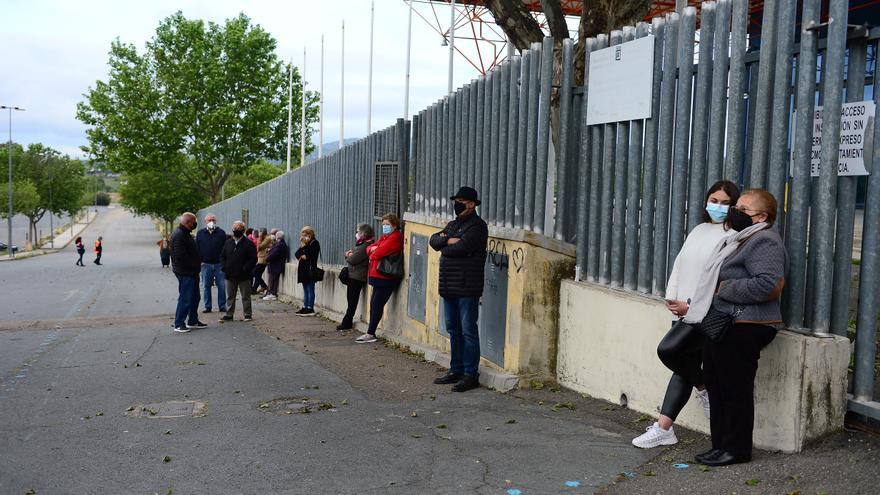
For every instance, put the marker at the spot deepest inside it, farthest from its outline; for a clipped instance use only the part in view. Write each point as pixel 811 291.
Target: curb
pixel 41 250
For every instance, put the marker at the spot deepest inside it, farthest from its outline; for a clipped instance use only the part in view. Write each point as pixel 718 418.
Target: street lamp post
pixel 9 218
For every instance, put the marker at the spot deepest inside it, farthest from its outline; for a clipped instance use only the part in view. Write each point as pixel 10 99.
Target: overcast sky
pixel 55 50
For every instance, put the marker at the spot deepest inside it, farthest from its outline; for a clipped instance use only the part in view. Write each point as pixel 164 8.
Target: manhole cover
pixel 170 409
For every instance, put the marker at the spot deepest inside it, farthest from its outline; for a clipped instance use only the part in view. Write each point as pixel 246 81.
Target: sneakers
pixel 655 436
pixel 300 311
pixel 225 318
pixel 206 310
pixel 247 318
pixel 366 339
pixel 269 297
pixel 181 329
pixel 703 395
pixel 306 312
pixel 197 324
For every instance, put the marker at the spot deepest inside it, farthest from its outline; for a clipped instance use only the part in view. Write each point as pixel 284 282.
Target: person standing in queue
pixel 210 241
pixel 186 264
pixel 358 266
pixel 238 258
pixel 278 256
pixel 462 247
pixel 390 246
pixel 307 255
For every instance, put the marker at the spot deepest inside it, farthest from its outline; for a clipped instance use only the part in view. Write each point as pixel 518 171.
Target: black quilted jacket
pixel 462 264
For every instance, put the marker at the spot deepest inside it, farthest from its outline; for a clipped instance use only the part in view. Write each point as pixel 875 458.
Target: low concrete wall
pixel 607 348
pixel 536 267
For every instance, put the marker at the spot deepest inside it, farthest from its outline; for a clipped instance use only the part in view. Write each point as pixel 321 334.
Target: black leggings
pixel 382 292
pixel 353 293
pixel 258 278
pixel 681 350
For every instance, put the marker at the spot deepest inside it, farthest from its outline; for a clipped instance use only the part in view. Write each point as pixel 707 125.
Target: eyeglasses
pixel 746 210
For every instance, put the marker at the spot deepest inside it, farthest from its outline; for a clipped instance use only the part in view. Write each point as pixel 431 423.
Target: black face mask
pixel 238 233
pixel 738 220
pixel 459 208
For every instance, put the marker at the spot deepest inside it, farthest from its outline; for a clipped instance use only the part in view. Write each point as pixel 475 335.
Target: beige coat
pixel 263 250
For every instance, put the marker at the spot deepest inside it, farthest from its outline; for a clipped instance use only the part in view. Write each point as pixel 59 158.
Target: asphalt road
pixel 20 226
pixel 89 367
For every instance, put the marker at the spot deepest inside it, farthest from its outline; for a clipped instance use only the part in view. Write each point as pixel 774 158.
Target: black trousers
pixel 382 292
pixel 681 350
pixel 730 367
pixel 353 294
pixel 258 278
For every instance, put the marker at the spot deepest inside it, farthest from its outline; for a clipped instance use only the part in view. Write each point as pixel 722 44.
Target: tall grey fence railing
pixel 627 193
pixel 332 194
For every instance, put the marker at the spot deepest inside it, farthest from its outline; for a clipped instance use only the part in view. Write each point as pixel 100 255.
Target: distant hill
pixel 329 147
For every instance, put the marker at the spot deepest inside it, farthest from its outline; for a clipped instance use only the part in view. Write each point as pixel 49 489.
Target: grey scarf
pixel 705 291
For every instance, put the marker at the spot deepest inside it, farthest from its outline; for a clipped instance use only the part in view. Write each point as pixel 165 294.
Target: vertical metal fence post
pixel 634 183
pixel 562 159
pixel 700 121
pixel 491 195
pixel 869 278
pixel 779 156
pixel 479 110
pixel 718 106
pixel 609 174
pixel 597 145
pixel 473 133
pixel 736 104
pixel 583 177
pixel 543 126
pixel 522 136
pixel 846 201
pixel 513 142
pixel 664 153
pixel 621 178
pixel 488 142
pixel 646 230
pixel 762 104
pixel 824 218
pixel 682 126
pixel 501 157
pixel 532 137
pixel 459 140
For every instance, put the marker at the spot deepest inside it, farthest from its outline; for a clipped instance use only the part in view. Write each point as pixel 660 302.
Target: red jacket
pixel 387 245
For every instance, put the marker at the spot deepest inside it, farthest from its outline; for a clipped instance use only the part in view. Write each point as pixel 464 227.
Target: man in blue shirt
pixel 210 241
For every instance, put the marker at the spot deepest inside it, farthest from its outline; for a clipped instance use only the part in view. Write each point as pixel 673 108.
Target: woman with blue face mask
pixel 681 349
pixel 390 246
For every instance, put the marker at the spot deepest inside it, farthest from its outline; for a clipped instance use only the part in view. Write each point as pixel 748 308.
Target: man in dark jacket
pixel 186 263
pixel 239 257
pixel 211 240
pixel 462 246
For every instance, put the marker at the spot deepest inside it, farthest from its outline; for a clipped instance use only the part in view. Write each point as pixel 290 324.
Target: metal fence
pixel 627 193
pixel 332 194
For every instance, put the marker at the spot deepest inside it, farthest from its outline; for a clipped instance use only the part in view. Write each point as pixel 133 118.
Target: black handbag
pixel 391 266
pixel 716 323
pixel 316 273
pixel 343 275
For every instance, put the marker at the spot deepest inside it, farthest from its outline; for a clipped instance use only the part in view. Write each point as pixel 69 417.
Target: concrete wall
pixel 607 348
pixel 536 267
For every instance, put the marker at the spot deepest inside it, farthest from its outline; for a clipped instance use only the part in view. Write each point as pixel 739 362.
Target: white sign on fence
pixel 854 121
pixel 621 79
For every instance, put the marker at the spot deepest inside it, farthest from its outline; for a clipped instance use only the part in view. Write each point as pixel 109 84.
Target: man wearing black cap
pixel 462 246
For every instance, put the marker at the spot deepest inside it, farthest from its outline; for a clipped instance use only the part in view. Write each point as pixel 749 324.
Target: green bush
pixel 102 199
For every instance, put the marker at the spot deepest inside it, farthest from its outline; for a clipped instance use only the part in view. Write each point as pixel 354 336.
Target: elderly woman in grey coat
pixel 358 264
pixel 750 280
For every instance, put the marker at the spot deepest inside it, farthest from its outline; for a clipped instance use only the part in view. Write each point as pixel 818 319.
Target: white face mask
pixel 211 225
pixel 357 237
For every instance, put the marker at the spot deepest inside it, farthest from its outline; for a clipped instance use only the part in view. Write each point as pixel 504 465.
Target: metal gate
pixel 418 277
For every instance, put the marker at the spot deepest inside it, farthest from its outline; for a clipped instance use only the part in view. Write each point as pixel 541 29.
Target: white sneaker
pixel 181 329
pixel 703 395
pixel 366 339
pixel 655 436
pixel 270 297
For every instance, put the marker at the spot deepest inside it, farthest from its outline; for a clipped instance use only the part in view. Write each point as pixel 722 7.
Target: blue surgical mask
pixel 386 229
pixel 717 211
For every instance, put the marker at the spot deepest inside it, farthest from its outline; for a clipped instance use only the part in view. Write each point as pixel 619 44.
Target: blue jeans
pixel 187 301
pixel 309 295
pixel 213 275
pixel 464 337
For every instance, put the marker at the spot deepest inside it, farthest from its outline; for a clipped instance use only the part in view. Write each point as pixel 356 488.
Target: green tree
pixel 202 103
pixel 24 198
pixel 253 176
pixel 57 179
pixel 157 194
